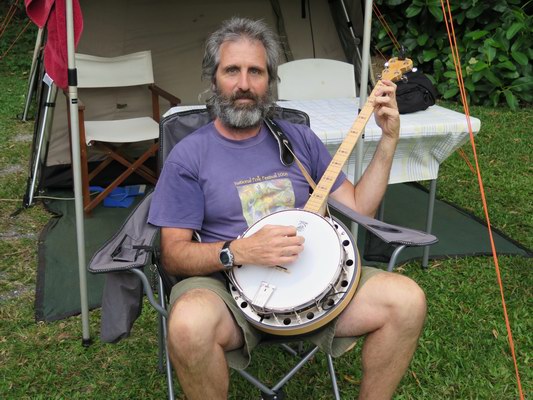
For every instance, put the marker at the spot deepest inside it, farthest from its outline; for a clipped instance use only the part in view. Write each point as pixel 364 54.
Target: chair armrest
pixel 131 246
pixel 173 100
pixel 389 233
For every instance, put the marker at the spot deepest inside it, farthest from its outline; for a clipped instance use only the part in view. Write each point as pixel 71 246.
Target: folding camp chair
pixel 133 247
pixel 111 136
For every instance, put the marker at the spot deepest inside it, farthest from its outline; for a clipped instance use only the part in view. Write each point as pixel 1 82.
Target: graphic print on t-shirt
pixel 263 195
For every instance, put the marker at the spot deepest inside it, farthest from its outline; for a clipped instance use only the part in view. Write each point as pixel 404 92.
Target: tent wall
pixel 175 32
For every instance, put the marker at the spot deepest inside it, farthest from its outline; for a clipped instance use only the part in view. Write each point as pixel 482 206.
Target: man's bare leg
pixel 391 310
pixel 201 329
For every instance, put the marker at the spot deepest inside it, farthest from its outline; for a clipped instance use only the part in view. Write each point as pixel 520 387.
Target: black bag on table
pixel 416 94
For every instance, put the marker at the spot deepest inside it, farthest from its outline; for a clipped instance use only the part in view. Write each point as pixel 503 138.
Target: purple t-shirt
pixel 219 187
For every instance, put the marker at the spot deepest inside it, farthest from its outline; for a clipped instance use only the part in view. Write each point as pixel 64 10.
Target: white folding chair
pixel 111 136
pixel 316 78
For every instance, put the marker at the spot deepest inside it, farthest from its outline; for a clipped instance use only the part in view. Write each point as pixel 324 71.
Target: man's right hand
pixel 271 245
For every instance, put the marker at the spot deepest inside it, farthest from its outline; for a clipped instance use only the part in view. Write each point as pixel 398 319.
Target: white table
pixel 427 138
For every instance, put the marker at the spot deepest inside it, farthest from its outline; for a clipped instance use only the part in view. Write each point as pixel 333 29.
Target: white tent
pixel 175 32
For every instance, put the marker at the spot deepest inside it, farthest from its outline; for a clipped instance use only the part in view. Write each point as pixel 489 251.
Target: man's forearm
pixel 186 258
pixel 371 187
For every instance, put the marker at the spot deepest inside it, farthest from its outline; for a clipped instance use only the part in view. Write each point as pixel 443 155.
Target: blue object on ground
pixel 120 197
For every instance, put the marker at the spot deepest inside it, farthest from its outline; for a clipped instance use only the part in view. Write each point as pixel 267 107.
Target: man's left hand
pixel 386 110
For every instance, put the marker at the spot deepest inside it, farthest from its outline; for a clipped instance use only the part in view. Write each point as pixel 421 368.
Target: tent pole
pixel 43 121
pixel 365 65
pixel 34 72
pixel 356 40
pixel 76 172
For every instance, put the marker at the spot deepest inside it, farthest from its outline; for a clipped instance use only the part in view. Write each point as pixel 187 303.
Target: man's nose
pixel 243 82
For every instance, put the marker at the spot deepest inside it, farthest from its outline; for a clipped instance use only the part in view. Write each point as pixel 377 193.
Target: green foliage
pixel 493 41
pixel 17 41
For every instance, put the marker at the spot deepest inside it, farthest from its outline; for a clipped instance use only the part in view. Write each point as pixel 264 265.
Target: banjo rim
pixel 320 321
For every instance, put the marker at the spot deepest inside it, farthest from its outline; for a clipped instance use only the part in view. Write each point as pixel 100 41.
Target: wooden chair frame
pixel 116 153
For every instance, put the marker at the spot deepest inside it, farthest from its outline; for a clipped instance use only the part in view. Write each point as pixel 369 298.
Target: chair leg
pixel 334 384
pixel 160 336
pixel 83 155
pixel 296 368
pixel 102 195
pixel 394 256
pixel 160 306
pixel 134 166
pixel 275 392
pixel 163 341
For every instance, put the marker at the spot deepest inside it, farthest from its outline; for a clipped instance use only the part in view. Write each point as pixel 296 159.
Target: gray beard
pixel 241 117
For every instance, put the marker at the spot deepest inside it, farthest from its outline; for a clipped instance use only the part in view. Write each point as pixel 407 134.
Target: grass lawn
pixel 463 352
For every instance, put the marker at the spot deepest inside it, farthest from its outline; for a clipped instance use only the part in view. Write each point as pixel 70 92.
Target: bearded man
pixel 222 178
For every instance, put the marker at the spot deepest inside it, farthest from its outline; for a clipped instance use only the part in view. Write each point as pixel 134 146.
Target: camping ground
pixel 463 352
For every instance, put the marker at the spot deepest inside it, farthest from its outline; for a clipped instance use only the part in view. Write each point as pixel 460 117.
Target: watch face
pixel 224 257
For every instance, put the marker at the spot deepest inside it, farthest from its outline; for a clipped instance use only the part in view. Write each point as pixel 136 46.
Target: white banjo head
pixel 302 292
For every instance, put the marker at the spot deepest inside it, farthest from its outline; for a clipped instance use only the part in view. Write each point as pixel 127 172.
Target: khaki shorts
pixel 240 358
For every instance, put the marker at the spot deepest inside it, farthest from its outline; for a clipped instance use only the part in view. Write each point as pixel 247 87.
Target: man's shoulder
pixel 199 135
pixel 194 141
pixel 291 127
pixel 294 131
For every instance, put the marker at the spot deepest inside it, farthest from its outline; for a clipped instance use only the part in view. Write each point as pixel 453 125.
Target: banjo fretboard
pixel 318 199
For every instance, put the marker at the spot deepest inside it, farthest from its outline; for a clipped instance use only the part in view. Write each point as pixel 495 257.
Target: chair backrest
pixel 175 127
pixel 105 72
pixel 316 78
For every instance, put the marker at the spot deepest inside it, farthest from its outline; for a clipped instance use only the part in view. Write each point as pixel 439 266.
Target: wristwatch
pixel 227 259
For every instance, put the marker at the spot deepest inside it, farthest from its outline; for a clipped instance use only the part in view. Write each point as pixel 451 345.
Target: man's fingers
pixel 387 88
pixel 281 230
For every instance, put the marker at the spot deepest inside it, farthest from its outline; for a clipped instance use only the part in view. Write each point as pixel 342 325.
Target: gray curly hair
pixel 235 29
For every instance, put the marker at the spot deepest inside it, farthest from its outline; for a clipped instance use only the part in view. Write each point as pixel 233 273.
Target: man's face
pixel 242 97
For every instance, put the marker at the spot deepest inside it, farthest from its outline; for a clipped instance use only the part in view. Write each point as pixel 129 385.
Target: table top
pixel 332 118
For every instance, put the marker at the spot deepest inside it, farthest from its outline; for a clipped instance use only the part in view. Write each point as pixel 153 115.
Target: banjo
pixel 307 294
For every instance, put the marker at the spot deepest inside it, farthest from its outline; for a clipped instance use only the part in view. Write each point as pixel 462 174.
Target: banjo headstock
pixel 395 68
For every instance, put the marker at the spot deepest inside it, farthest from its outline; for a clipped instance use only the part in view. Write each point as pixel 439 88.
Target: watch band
pixel 226 256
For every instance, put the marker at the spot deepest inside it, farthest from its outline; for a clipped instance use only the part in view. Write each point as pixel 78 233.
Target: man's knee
pixel 192 324
pixel 409 302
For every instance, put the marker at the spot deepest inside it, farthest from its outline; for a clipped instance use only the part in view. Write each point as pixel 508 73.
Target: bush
pixel 493 40
pixel 16 51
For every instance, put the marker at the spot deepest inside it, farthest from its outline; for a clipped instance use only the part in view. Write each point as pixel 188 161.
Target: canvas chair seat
pixel 112 135
pixel 121 131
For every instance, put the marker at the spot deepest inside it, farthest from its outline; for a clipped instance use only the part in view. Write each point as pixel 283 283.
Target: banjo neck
pixel 320 194
pixel 318 199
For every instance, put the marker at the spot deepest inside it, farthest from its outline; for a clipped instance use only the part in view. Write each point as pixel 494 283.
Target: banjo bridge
pixel 263 294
